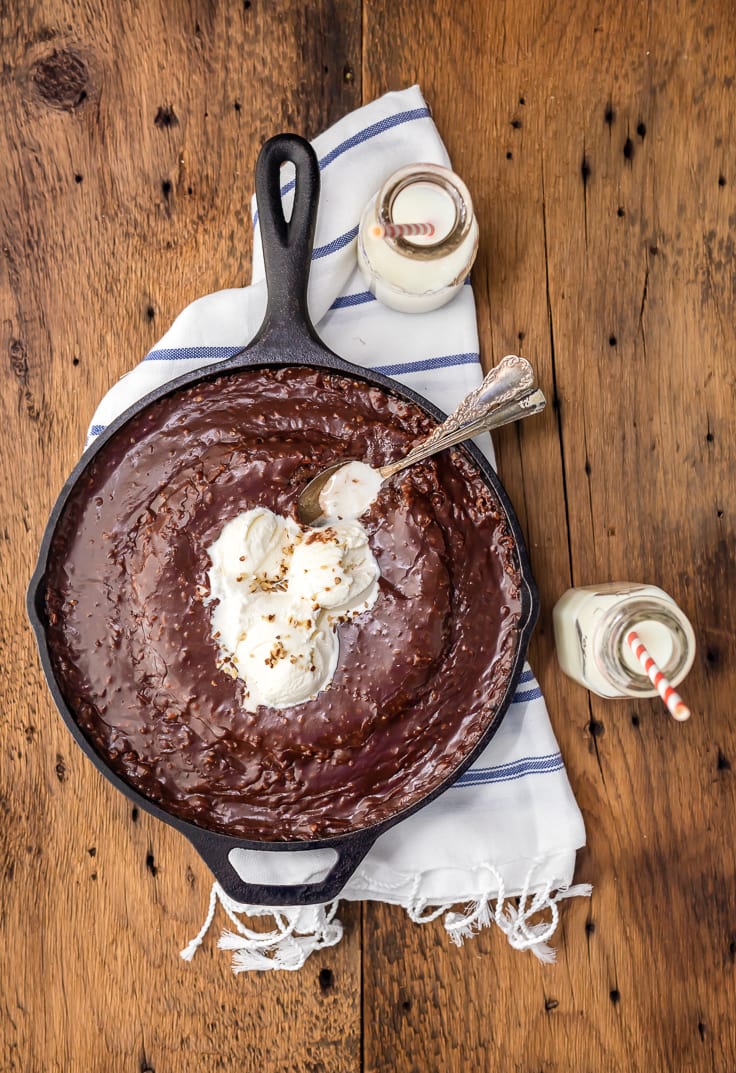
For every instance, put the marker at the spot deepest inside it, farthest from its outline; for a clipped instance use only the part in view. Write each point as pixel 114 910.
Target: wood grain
pixel 596 139
pixel 129 137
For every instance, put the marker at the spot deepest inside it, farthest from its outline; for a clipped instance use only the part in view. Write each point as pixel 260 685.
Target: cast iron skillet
pixel 286 337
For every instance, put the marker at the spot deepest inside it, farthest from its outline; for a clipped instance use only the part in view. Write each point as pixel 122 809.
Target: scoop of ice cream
pixel 334 567
pixel 279 591
pixel 316 572
pixel 255 543
pixel 284 664
pixel 359 568
pixel 350 490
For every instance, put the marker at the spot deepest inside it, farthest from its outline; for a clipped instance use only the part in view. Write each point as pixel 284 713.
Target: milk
pixel 590 624
pixel 425 202
pixel 423 272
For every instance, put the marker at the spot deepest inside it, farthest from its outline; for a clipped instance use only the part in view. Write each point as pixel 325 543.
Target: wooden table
pixel 597 140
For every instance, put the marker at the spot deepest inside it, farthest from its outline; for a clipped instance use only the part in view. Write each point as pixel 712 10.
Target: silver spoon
pixel 507 394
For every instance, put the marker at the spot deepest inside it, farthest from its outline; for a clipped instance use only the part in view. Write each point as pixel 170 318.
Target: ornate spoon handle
pixel 506 394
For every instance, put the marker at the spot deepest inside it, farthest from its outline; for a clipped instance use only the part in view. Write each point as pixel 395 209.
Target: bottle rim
pixel 609 642
pixel 448 181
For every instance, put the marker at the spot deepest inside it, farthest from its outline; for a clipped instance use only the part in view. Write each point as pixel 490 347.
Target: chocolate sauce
pixel 419 675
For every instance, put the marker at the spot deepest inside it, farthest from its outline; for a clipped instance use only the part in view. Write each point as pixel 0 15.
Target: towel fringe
pixel 298 933
pixel 515 920
pixel 286 947
pixel 192 947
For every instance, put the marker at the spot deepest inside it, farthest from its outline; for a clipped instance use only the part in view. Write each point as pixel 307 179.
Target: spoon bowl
pixel 309 507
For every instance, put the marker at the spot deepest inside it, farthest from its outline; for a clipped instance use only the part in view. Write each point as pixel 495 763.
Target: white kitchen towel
pixel 498 846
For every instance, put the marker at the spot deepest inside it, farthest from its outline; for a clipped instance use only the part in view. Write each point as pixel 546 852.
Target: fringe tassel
pixel 191 948
pixel 281 948
pixel 298 933
pixel 514 921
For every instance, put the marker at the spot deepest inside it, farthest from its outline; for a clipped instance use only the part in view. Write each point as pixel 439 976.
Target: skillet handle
pixel 215 850
pixel 287 245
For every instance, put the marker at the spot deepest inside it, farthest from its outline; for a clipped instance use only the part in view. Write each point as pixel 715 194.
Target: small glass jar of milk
pixel 591 625
pixel 420 272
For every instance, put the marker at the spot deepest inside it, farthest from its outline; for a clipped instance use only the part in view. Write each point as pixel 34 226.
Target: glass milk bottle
pixel 420 272
pixel 591 624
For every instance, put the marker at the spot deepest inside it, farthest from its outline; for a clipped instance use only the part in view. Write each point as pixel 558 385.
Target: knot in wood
pixel 19 359
pixel 61 78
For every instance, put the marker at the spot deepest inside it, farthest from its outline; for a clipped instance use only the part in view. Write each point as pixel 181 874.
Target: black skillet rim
pixel 36 595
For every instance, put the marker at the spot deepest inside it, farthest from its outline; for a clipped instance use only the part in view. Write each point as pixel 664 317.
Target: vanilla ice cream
pixel 280 591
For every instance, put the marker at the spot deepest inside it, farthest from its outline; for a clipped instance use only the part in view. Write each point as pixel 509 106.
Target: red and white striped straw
pixel 677 707
pixel 401 230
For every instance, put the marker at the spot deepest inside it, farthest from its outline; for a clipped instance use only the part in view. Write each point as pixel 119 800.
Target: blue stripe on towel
pixel 544 758
pixel 443 362
pixel 192 353
pixel 518 769
pixel 522 695
pixel 348 300
pixel 371 132
pixel 337 244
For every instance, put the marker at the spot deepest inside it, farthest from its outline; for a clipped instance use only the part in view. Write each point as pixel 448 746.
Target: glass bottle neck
pixel 659 628
pixel 444 180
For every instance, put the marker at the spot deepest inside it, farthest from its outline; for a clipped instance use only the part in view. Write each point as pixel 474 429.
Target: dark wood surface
pixel 597 141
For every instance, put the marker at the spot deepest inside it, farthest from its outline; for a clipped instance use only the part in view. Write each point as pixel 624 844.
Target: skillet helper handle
pixel 287 244
pixel 215 851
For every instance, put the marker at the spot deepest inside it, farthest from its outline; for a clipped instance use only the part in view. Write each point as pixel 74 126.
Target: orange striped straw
pixel 677 707
pixel 401 230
